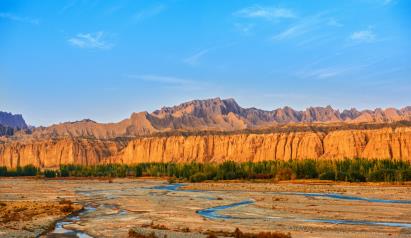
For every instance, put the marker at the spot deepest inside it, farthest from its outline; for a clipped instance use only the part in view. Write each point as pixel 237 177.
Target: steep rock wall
pixel 379 144
pixel 52 153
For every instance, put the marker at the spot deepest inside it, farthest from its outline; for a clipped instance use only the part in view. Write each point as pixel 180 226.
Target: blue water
pixel 177 186
pixel 169 187
pixel 60 231
pixel 211 213
pixel 345 197
pixel 353 222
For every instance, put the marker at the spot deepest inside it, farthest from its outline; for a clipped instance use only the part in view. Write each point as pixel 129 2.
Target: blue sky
pixel 69 60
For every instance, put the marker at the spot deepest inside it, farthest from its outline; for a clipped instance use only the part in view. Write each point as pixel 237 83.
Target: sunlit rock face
pixel 52 153
pixel 385 143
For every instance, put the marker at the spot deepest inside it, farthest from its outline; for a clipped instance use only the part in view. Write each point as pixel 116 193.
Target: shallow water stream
pixel 96 207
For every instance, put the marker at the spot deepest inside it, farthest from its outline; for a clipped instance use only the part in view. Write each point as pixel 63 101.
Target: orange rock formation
pixel 386 143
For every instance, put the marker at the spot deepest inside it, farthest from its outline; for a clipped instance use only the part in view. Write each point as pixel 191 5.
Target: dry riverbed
pixel 28 218
pixel 111 209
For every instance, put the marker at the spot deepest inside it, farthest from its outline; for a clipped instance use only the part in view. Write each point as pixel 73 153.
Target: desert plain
pixel 111 208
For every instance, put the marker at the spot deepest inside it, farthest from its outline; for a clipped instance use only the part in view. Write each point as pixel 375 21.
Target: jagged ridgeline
pixel 10 123
pixel 217 115
pixel 215 131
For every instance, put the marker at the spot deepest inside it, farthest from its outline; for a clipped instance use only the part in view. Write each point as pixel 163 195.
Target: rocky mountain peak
pixel 15 121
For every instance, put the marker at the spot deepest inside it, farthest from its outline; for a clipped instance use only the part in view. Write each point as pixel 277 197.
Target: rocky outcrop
pixel 215 115
pixel 12 121
pixel 52 153
pixel 6 131
pixel 386 143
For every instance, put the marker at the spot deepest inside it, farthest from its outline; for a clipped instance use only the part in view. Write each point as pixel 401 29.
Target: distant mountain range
pixel 215 114
pixel 317 132
pixel 10 123
pixel 13 121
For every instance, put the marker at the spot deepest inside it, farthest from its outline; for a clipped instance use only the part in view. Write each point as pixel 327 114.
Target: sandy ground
pixel 128 204
pixel 27 218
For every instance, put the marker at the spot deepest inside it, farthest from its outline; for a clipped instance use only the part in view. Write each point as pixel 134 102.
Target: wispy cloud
pixel 302 27
pixel 324 73
pixel 170 81
pixel 265 12
pixel 90 40
pixel 13 17
pixel 317 39
pixel 284 95
pixel 292 31
pixel 334 22
pixel 161 79
pixel 195 58
pixel 386 2
pixel 366 36
pixel 68 6
pixel 334 71
pixel 149 12
pixel 244 28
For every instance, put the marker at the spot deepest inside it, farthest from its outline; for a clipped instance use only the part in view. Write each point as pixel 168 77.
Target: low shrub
pixel 239 234
pixel 198 177
pixel 135 234
pixel 356 176
pixel 328 175
pixel 285 174
pixel 49 173
pixel 3 171
pixel 382 175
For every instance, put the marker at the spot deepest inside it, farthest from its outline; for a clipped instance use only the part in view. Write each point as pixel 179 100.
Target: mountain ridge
pixel 14 121
pixel 216 114
pixel 188 133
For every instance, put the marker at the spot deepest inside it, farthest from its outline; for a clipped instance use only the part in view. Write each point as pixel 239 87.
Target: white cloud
pixel 333 22
pixel 334 71
pixel 12 17
pixel 68 6
pixel 291 32
pixel 170 81
pixel 317 39
pixel 90 40
pixel 323 73
pixel 161 79
pixel 194 59
pixel 244 28
pixel 149 12
pixel 363 36
pixel 265 12
pixel 304 26
pixel 285 95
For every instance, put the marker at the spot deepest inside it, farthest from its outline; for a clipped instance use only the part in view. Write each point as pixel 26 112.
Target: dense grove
pixel 351 170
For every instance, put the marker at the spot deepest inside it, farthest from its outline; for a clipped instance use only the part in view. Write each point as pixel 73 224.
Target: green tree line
pixel 351 170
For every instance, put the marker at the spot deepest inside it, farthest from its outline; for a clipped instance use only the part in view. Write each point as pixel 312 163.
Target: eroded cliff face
pixel 379 144
pixel 52 153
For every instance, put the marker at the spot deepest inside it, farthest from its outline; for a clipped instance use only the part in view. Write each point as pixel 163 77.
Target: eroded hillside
pixel 384 143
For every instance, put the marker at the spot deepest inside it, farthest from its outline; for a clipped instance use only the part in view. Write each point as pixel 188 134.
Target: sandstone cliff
pixel 51 153
pixel 378 143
